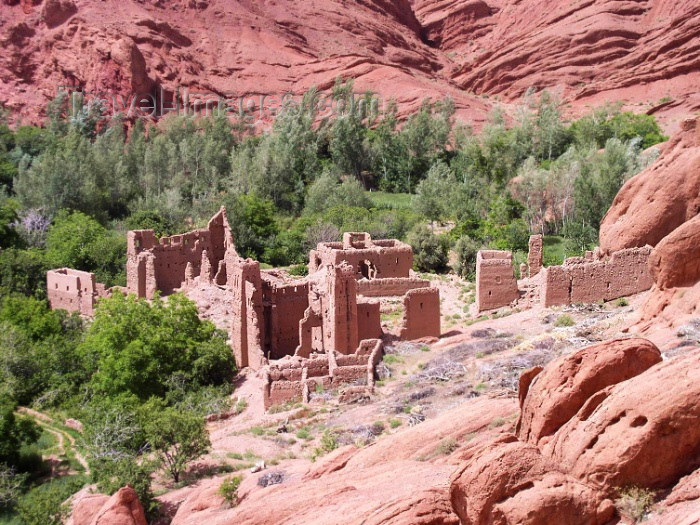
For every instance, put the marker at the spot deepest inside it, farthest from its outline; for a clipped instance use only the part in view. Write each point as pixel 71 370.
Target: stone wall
pixel 589 280
pixel 369 324
pixel 369 259
pixel 496 285
pixel 421 314
pixel 284 305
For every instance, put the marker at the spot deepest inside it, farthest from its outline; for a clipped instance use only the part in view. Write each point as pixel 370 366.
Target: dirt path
pixel 47 422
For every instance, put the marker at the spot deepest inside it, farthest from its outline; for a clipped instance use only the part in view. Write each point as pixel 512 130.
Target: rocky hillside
pixel 644 53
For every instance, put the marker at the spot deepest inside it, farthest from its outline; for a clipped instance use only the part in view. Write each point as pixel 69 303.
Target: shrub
pixel 447 446
pixel 635 502
pixel 622 301
pixel 229 490
pixel 43 504
pixel 429 250
pixel 564 321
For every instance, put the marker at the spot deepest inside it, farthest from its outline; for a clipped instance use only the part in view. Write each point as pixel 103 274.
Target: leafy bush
pixel 77 241
pixel 177 437
pixel 564 320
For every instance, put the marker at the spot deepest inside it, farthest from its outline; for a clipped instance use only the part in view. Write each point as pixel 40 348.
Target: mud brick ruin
pixel 73 290
pixel 587 279
pixel 324 329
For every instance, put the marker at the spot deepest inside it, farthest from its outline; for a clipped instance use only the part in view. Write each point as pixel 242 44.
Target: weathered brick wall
pixel 160 264
pixel 369 323
pixel 390 287
pixel 421 316
pixel 583 280
pixel 247 316
pixel 496 285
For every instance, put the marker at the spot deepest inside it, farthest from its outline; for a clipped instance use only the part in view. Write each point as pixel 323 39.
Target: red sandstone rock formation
pixel 557 394
pixel 624 421
pixel 123 508
pixel 390 482
pixel 407 49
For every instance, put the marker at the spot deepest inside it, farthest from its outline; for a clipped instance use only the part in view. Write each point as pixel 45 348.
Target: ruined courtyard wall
pixel 421 314
pixel 534 255
pixel 390 258
pixel 295 378
pixel 582 280
pixel 496 285
pixel 245 284
pixel 396 286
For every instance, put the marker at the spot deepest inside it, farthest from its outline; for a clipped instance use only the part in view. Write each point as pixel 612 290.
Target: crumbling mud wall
pixel 284 305
pixel 73 290
pixel 161 264
pixel 588 280
pixel 496 285
pixel 534 255
pixel 295 378
pixel 245 283
pixel 369 259
pixel 330 321
pixel 395 286
pixel 421 314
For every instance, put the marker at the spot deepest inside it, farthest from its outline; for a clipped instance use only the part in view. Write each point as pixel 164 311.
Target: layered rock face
pixel 604 418
pixel 406 49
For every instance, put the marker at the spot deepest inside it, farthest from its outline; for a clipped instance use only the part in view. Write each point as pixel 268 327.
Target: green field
pixel 382 199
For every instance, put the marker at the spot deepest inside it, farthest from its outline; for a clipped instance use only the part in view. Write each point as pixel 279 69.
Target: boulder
pixel 85 505
pixel 658 200
pixel 641 432
pixel 556 394
pixel 123 508
pixel 676 259
pixel 508 481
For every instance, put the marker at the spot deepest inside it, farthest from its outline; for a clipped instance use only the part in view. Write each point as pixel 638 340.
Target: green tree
pixel 135 347
pixel 466 249
pixel 175 436
pixel 253 224
pixel 77 241
pixel 432 198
